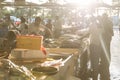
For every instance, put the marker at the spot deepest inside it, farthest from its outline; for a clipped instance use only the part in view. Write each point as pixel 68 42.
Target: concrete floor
pixel 115 56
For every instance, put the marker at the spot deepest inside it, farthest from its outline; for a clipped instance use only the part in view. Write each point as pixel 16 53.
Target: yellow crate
pixel 29 42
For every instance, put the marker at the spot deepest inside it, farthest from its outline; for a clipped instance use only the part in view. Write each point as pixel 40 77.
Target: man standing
pixel 106 55
pixel 95 47
pixel 57 27
pixel 36 28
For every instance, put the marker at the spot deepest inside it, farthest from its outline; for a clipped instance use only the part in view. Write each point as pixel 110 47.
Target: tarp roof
pixel 116 5
pixel 50 5
pixel 18 4
pixel 95 5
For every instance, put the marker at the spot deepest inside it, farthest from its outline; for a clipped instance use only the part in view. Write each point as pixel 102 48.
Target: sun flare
pixel 82 2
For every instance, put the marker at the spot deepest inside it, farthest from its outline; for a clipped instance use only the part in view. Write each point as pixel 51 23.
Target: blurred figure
pixel 106 54
pixel 101 33
pixel 3 29
pixel 57 27
pixel 6 25
pixel 49 25
pixel 23 26
pixel 36 28
pixel 8 22
pixel 95 47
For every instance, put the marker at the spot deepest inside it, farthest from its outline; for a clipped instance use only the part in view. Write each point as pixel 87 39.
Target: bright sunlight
pixel 81 2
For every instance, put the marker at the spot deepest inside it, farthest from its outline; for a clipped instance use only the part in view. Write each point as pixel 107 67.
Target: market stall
pixel 40 63
pixel 28 57
pixel 57 64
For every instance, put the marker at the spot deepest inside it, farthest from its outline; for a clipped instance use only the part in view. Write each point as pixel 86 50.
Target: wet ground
pixel 115 56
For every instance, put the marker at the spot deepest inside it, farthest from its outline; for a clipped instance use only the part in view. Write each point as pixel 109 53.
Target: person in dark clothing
pixel 9 23
pixel 95 47
pixel 23 27
pixel 106 54
pixel 49 29
pixel 36 28
pixel 49 25
pixel 101 33
pixel 57 27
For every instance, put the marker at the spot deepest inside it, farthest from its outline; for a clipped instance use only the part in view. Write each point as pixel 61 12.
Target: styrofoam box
pixel 26 53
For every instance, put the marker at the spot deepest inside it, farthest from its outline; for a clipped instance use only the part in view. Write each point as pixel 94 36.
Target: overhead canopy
pixel 47 5
pixel 93 5
pixel 50 5
pixel 71 5
pixel 18 4
pixel 116 5
pixel 101 5
pixel 56 5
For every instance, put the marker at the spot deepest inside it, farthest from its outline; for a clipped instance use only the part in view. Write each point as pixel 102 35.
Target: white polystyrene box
pixel 26 53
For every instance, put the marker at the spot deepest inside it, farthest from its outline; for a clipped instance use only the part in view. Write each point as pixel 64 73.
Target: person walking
pixel 101 33
pixel 95 47
pixel 105 57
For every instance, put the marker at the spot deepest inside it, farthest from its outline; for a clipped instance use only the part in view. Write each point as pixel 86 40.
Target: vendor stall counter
pixel 62 59
pixel 60 63
pixel 67 70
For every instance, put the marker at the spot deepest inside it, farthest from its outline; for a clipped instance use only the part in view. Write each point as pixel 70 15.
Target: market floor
pixel 115 56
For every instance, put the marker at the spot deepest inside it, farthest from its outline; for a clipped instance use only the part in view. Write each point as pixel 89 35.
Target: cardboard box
pixel 27 54
pixel 29 42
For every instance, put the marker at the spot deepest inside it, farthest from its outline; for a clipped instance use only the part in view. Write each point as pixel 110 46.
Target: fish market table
pixel 62 59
